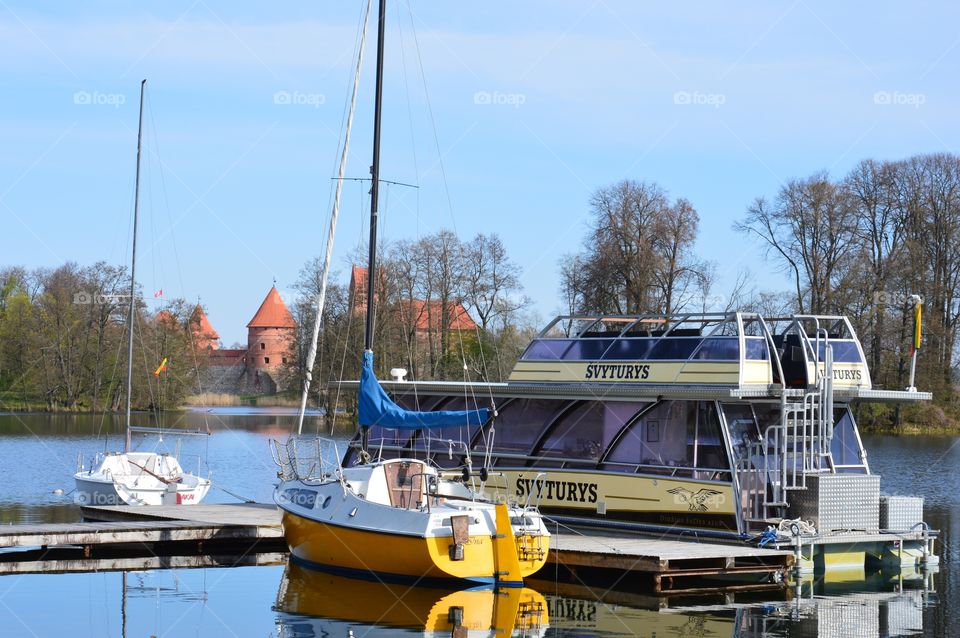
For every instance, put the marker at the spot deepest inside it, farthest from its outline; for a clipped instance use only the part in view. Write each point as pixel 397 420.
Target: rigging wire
pixel 321 296
pixel 468 387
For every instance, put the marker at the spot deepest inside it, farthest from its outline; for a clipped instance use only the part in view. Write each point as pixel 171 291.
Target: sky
pixel 505 115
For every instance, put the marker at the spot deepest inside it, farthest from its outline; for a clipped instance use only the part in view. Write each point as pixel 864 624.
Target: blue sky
pixel 535 105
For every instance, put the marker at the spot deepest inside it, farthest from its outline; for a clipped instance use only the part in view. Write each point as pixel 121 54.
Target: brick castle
pixel 261 367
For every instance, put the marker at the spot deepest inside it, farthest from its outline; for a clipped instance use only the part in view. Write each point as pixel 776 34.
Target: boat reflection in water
pixel 315 603
pixel 881 605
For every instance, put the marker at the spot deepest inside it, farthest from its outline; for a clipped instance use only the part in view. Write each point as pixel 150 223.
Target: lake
pixel 39 454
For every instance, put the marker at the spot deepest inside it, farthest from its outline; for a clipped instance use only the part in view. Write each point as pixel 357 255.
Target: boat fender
pixel 484 474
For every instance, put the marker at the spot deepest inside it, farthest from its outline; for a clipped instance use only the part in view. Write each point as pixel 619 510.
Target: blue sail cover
pixel 376 408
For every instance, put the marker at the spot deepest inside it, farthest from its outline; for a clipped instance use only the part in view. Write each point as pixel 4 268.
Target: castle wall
pixel 236 379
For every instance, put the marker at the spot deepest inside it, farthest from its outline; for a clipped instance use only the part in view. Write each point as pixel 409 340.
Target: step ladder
pixel 792 449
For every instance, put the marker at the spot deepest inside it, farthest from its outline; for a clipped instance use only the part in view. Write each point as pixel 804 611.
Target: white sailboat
pixel 137 478
pixel 399 518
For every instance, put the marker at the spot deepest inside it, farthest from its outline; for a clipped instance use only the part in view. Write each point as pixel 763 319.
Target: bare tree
pixel 811 227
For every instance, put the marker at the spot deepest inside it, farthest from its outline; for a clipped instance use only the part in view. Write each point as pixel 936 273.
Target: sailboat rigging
pixel 137 478
pixel 399 518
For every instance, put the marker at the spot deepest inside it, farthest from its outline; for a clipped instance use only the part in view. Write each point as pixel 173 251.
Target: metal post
pixel 375 176
pixel 917 302
pixel 133 269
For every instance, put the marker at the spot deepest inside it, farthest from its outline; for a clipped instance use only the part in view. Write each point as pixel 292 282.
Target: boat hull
pixel 120 479
pixel 354 536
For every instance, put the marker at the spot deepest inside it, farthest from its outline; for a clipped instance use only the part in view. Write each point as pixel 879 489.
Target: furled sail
pixel 376 408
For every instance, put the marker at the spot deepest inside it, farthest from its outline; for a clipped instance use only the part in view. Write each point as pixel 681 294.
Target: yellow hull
pixel 408 556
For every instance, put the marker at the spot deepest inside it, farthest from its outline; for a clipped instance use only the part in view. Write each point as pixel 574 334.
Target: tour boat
pixel 399 518
pixel 726 425
pixel 137 478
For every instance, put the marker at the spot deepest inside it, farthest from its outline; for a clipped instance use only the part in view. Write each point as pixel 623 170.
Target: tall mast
pixel 375 176
pixel 321 296
pixel 133 269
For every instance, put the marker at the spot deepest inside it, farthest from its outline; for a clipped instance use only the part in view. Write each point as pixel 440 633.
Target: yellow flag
pixel 917 329
pixel 161 368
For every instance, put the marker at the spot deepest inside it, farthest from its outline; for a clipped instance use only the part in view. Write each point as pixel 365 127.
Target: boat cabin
pixel 715 423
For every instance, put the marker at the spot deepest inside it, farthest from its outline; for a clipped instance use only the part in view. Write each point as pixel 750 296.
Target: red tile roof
pixel 201 325
pixel 425 313
pixel 273 313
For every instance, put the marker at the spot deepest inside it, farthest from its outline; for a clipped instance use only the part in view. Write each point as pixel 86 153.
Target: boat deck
pixel 170 530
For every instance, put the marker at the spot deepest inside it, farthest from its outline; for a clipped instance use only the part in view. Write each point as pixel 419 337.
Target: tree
pixel 812 229
pixel 637 254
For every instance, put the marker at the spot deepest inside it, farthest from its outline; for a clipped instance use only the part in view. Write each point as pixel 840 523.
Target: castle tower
pixel 270 335
pixel 202 332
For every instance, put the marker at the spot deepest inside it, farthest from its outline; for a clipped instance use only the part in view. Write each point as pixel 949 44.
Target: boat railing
pixel 796 447
pixel 313 459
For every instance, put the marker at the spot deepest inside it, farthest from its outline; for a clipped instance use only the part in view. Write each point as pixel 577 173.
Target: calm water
pixel 38 454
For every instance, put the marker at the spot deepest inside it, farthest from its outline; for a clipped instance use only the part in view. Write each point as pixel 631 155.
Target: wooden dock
pixel 171 530
pixel 674 565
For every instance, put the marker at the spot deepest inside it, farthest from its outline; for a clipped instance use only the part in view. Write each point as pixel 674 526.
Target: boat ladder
pixel 792 449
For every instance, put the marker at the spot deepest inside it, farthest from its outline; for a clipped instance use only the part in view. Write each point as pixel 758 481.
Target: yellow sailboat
pixel 399 518
pixel 402 519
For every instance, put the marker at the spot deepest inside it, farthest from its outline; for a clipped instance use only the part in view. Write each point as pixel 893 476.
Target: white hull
pixel 139 478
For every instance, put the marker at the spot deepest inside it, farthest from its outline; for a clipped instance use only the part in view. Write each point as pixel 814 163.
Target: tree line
pixel 862 245
pixel 63 342
pixel 859 245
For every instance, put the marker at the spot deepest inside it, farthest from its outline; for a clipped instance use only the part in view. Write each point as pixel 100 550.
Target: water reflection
pixel 313 603
pixel 288 600
pixel 39 454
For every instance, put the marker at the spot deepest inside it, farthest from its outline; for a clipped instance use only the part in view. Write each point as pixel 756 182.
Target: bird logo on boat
pixel 696 501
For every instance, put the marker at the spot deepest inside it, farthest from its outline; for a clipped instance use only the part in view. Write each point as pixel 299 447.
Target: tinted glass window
pixel 719 349
pixel 742 427
pixel 547 348
pixel 586 432
pixel 675 434
pixel 844 446
pixel 521 423
pixel 677 348
pixel 845 351
pixel 756 348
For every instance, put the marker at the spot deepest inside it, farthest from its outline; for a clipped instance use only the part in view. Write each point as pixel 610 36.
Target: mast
pixel 321 297
pixel 133 269
pixel 375 176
